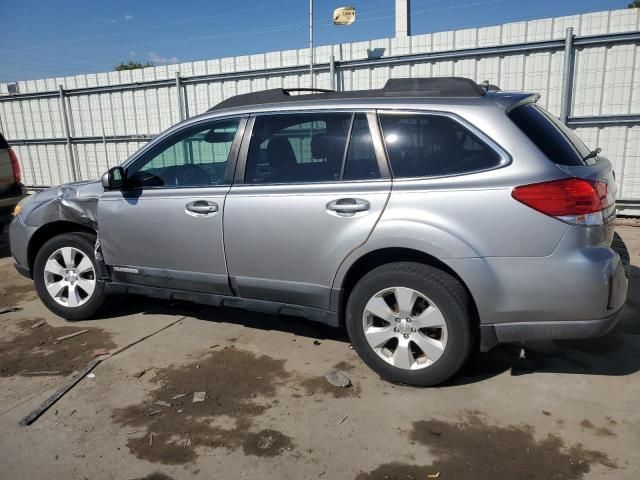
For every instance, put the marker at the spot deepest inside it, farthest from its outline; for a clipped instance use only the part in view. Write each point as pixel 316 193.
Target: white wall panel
pixel 605 83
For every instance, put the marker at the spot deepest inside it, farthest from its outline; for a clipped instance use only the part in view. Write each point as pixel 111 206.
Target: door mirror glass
pixel 113 179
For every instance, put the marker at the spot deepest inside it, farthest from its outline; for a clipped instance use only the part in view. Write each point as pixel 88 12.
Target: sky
pixel 41 39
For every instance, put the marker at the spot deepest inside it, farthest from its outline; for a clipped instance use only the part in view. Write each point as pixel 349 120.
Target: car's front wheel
pixel 410 323
pixel 66 276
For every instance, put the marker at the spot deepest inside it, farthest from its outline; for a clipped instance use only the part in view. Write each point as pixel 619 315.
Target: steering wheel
pixel 191 175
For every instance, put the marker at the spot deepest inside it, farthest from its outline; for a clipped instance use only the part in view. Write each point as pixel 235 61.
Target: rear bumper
pixel 492 335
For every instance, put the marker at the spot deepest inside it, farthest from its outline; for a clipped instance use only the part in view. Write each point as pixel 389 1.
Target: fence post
pixel 332 70
pixel 67 134
pixel 567 79
pixel 182 105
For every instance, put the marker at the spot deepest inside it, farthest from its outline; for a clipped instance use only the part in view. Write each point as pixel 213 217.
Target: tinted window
pixel 194 157
pixel 297 148
pixel 3 142
pixel 433 145
pixel 554 138
pixel 361 163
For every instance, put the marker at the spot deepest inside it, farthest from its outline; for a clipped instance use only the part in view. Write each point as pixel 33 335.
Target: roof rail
pixel 395 87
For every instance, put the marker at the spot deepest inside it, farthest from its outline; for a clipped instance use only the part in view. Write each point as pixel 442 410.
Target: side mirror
pixel 113 179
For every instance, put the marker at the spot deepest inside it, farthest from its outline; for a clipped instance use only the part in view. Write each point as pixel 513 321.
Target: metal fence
pixel 584 66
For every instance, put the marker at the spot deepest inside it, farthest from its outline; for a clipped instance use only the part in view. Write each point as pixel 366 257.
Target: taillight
pixel 17 174
pixel 571 200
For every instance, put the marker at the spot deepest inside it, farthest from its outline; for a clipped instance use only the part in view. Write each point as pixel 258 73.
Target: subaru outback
pixel 427 217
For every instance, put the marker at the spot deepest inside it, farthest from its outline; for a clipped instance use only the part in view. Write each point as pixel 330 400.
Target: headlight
pixel 18 208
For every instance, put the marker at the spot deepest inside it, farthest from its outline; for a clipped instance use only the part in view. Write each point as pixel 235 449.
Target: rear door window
pixel 311 147
pixel 420 145
pixel 557 141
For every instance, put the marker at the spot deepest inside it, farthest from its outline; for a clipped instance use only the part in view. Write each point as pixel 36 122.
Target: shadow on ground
pixel 615 354
pixel 5 251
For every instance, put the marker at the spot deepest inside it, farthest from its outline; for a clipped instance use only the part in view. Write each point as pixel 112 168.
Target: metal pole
pixel 179 90
pixel 311 52
pixel 567 79
pixel 332 71
pixel 67 134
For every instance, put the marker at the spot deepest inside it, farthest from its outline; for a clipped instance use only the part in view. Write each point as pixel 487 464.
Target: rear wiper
pixel 593 153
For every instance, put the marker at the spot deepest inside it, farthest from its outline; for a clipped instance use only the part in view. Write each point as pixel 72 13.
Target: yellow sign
pixel 344 16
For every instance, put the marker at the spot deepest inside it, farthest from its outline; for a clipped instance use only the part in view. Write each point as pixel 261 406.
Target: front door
pixel 164 229
pixel 310 192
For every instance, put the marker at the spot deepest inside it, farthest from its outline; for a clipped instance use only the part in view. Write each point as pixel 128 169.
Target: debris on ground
pixel 179 396
pixel 316 342
pixel 100 352
pixel 162 403
pixel 9 309
pixel 433 475
pixel 140 373
pixel 38 324
pixel 199 397
pixel 91 375
pixel 338 379
pixel 71 335
pixel 41 373
pixel 154 412
pixel 343 419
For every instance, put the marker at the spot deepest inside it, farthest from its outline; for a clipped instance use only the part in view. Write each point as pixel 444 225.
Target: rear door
pixel 309 189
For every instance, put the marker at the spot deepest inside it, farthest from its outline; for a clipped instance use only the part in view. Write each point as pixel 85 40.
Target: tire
pixel 440 299
pixel 81 246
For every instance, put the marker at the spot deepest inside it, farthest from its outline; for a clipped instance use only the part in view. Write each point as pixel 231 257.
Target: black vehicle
pixel 11 188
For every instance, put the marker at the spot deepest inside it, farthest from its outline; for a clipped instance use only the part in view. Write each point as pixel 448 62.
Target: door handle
pixel 201 207
pixel 348 206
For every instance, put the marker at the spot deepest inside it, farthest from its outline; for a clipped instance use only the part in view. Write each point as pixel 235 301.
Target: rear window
pixel 3 142
pixel 557 141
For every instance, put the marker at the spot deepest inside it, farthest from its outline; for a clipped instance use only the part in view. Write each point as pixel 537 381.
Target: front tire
pixel 66 276
pixel 410 323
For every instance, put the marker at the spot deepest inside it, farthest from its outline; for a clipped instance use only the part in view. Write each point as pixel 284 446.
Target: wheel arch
pixel 381 256
pixel 48 231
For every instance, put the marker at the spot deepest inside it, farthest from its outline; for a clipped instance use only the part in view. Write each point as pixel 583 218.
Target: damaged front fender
pixel 74 202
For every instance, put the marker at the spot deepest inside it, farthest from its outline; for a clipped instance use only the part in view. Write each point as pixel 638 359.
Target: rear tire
pixel 420 333
pixel 66 276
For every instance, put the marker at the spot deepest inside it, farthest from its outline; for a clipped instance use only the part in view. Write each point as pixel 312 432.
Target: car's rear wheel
pixel 410 323
pixel 66 276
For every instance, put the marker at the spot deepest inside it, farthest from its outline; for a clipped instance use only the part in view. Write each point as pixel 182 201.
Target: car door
pixel 309 189
pixel 164 229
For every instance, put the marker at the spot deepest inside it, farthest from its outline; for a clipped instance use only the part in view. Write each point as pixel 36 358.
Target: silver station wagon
pixel 428 217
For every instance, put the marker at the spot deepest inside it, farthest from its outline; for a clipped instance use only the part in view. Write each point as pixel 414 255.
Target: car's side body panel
pixel 283 244
pixel 151 239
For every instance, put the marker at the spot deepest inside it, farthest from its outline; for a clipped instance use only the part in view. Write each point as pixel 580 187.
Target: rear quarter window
pixel 3 143
pixel 557 141
pixel 420 145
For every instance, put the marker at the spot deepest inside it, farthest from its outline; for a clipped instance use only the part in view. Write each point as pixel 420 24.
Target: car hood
pixel 75 202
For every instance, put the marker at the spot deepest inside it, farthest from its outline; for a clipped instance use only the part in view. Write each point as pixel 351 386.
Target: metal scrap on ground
pixel 338 379
pixel 199 396
pixel 71 335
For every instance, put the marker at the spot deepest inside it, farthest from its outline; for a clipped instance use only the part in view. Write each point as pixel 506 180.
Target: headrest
pixel 320 146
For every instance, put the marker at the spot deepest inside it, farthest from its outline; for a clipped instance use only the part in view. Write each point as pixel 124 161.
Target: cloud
pixel 160 60
pixel 128 17
pixel 132 53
